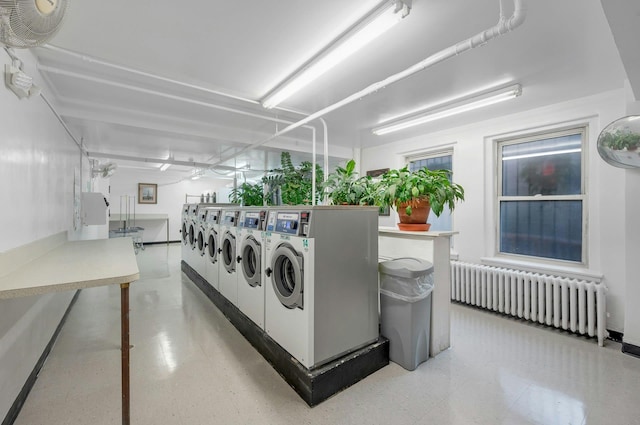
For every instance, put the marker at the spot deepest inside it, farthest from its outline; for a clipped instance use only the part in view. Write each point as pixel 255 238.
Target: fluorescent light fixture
pixel 457 106
pixel 360 34
pixel 539 154
pixel 164 167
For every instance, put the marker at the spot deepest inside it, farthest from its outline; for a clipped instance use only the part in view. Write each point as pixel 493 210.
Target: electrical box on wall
pixel 94 208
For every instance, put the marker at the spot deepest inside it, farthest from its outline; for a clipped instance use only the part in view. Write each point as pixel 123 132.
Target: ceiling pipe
pixel 161 161
pixel 94 60
pixel 91 59
pixel 503 26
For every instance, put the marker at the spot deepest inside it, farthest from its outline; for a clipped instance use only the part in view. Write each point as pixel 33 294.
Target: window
pixel 541 196
pixel 439 161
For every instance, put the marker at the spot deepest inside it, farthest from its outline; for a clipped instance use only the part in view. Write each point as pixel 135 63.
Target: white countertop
pixel 122 217
pixel 395 230
pixel 74 265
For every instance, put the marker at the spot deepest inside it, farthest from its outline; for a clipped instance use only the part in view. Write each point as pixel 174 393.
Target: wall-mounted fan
pixel 30 23
pixel 103 170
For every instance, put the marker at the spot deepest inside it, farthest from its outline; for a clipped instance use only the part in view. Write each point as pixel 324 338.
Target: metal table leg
pixel 124 333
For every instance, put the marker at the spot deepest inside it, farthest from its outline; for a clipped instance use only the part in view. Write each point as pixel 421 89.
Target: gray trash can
pixel 405 309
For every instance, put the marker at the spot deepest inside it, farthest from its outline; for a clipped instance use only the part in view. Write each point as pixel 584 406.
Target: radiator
pixel 574 305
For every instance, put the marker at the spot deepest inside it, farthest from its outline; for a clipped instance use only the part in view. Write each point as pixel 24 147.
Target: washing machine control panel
pixel 291 223
pixel 213 216
pixel 252 219
pixel 230 218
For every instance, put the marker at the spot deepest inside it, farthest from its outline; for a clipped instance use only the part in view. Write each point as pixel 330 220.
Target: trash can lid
pixel 406 267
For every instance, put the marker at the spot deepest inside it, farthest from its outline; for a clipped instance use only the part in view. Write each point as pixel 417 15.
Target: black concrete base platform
pixel 313 385
pixel 631 349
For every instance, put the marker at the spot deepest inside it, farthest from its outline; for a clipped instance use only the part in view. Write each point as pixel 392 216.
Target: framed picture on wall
pixel 147 193
pixel 384 211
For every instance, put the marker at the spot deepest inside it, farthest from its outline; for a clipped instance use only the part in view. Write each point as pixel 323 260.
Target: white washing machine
pixel 184 231
pixel 212 246
pixel 321 289
pixel 250 243
pixel 199 251
pixel 191 232
pixel 228 277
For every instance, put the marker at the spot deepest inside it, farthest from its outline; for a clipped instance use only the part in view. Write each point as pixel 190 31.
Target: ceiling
pixel 159 80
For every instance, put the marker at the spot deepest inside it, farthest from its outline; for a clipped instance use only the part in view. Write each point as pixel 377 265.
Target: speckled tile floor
pixel 190 366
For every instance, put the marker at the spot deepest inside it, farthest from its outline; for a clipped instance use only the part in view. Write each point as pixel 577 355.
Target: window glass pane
pixel 549 229
pixel 543 167
pixel 445 162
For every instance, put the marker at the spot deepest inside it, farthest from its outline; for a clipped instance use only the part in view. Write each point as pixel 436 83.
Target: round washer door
pixel 192 236
pixel 185 233
pixel 202 241
pixel 212 246
pixel 251 264
pixel 286 266
pixel 229 251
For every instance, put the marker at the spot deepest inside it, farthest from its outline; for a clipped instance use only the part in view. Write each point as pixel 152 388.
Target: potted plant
pixel 619 140
pixel 344 187
pixel 414 194
pixel 291 185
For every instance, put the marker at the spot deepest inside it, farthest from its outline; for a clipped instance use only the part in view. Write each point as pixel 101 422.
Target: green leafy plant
pixel 293 183
pixel 405 188
pixel 619 140
pixel 248 194
pixel 344 187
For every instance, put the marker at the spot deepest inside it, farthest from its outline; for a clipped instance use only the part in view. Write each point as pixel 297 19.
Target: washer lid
pixel 229 252
pixel 286 265
pixel 251 253
pixel 212 246
pixel 406 267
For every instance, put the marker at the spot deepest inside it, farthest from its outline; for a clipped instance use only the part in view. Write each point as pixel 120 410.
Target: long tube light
pixel 165 166
pixel 381 19
pixel 455 107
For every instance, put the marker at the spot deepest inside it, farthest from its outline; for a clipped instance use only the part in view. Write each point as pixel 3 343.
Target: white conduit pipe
pixel 91 59
pixel 502 27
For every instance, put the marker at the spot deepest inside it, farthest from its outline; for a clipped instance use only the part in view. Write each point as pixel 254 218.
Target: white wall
pixel 475 169
pixel 632 210
pixel 171 197
pixel 37 162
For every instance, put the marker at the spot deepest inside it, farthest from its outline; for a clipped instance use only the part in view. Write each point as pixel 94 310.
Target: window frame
pixel 583 130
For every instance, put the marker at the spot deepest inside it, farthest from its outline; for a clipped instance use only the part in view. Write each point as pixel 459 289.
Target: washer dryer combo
pixel 189 233
pixel 227 278
pixel 250 243
pixel 212 231
pixel 200 242
pixel 321 289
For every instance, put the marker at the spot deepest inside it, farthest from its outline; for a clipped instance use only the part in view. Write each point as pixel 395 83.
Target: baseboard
pixel 631 349
pixel 615 336
pixel 312 385
pixel 13 412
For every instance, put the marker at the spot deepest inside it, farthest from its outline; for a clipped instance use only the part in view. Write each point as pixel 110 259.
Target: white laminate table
pixel 125 218
pixel 78 265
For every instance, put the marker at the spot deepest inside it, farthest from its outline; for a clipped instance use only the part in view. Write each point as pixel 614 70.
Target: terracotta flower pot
pixel 420 209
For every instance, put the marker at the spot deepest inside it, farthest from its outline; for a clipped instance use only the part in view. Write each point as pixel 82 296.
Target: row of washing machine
pixel 305 275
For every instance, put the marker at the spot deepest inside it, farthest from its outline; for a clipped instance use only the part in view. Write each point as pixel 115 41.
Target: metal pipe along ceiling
pixel 503 26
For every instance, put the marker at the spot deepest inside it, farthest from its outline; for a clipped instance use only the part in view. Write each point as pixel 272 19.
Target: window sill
pixel 573 272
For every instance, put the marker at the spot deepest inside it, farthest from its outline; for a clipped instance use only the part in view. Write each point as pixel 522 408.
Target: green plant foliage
pixel 344 187
pixel 248 195
pixel 295 183
pixel 619 140
pixel 403 186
